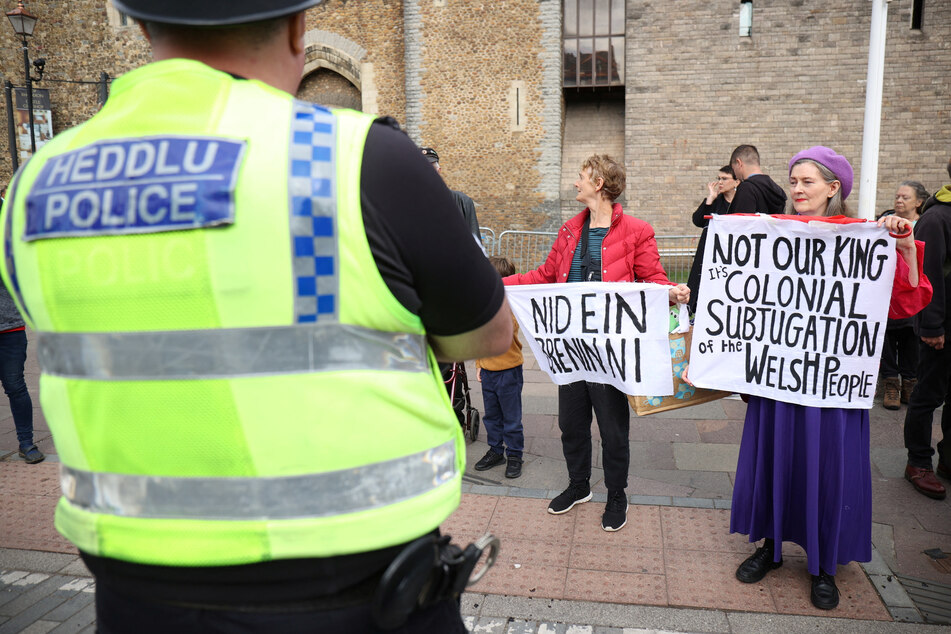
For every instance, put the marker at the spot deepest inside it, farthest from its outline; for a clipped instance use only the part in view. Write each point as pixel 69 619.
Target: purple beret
pixel 836 163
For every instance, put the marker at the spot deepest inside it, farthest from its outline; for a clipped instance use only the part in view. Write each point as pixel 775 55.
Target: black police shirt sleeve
pixel 420 241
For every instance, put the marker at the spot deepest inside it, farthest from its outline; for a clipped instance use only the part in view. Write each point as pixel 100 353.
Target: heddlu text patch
pixel 140 185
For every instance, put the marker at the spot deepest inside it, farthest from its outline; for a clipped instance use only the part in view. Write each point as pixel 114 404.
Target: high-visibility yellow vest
pixel 226 375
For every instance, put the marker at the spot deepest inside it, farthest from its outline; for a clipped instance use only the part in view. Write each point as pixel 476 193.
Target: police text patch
pixel 141 185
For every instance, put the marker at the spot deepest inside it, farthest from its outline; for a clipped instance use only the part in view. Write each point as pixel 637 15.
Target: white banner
pixel 793 311
pixel 603 332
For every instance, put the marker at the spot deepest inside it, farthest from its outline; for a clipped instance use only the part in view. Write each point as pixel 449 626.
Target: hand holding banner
pixel 793 311
pixel 603 332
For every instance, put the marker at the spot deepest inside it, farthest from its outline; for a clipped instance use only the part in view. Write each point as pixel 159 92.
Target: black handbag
pixel 589 272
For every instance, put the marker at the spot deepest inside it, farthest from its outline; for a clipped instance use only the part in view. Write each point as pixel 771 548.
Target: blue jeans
pixel 502 398
pixel 12 360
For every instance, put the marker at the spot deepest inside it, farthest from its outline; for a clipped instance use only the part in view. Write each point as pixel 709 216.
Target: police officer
pixel 239 305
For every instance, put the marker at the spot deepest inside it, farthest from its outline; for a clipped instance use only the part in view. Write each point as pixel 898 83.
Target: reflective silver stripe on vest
pixel 252 499
pixel 228 352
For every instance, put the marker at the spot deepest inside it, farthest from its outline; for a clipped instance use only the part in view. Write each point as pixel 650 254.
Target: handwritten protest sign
pixel 793 311
pixel 603 332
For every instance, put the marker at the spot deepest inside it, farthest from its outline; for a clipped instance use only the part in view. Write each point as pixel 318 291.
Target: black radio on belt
pixel 428 570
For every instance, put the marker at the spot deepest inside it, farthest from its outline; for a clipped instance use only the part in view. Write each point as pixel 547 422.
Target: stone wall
pixel 376 27
pixel 79 39
pixel 326 87
pixel 696 89
pixel 486 103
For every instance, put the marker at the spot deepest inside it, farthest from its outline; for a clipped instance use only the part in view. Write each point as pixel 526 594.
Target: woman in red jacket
pixel 599 244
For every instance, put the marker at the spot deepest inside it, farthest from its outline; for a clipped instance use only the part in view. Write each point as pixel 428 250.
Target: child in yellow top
pixel 501 379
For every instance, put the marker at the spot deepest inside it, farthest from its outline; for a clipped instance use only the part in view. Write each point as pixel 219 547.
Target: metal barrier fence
pixel 528 249
pixel 488 240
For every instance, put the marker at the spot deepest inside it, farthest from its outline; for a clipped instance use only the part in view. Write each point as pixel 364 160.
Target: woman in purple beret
pixel 804 473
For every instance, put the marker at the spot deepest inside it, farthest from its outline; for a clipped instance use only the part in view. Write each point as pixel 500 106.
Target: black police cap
pixel 210 12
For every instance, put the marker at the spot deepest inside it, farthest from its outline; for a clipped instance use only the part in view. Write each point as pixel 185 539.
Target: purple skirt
pixel 804 476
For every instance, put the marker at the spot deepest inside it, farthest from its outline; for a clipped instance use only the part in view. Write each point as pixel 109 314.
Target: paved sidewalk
pixel 669 570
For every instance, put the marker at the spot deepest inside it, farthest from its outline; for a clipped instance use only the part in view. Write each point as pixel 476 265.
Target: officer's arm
pixel 489 340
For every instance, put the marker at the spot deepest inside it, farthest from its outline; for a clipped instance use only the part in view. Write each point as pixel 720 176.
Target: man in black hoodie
pixel 757 192
pixel 934 361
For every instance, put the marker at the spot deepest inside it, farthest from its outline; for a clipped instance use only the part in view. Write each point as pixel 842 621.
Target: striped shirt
pixel 595 237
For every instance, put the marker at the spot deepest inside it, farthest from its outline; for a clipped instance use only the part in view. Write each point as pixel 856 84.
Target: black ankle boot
pixel 824 595
pixel 759 563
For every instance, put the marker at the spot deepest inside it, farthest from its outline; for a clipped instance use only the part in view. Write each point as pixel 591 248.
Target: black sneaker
pixel 615 511
pixel 32 455
pixel 489 460
pixel 514 467
pixel 755 567
pixel 576 493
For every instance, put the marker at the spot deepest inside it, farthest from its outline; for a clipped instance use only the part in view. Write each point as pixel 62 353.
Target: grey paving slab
pixel 539 405
pixel 76 568
pixel 605 614
pixel 706 484
pixel 906 615
pixel 891 591
pixel 704 411
pixel 34 560
pixel 786 624
pixel 40 627
pixel 488 490
pixel 486 625
pixel 652 455
pixel 71 606
pixel 696 457
pixel 542 473
pixel 652 500
pixel 519 626
pixel 877 565
pixel 890 461
pixel 528 493
pixel 674 430
pixel 35 593
pixel 700 503
pixel 78 621
pixel 24 618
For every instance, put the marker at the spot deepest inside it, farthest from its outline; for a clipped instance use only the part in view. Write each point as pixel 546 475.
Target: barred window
pixel 593 43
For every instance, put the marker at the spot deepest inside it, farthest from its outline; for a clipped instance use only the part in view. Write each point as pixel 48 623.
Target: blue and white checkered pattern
pixel 313 209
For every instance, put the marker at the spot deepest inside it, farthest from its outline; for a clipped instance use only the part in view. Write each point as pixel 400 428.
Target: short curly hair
pixel 605 167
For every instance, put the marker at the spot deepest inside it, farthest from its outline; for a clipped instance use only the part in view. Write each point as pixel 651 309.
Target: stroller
pixel 457 384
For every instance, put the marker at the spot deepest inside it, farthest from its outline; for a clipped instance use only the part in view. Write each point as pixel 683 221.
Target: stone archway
pixel 331 58
pixel 331 89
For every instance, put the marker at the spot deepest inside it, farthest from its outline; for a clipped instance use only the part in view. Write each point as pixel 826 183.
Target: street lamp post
pixel 23 25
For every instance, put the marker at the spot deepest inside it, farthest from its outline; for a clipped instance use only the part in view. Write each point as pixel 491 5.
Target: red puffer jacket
pixel 628 253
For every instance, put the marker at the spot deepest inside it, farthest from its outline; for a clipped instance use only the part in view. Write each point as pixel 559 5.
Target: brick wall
pixel 696 89
pixel 591 127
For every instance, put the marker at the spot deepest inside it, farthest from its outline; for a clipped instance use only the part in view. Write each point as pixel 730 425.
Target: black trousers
pixel 900 354
pixel 575 402
pixel 934 377
pixel 118 613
